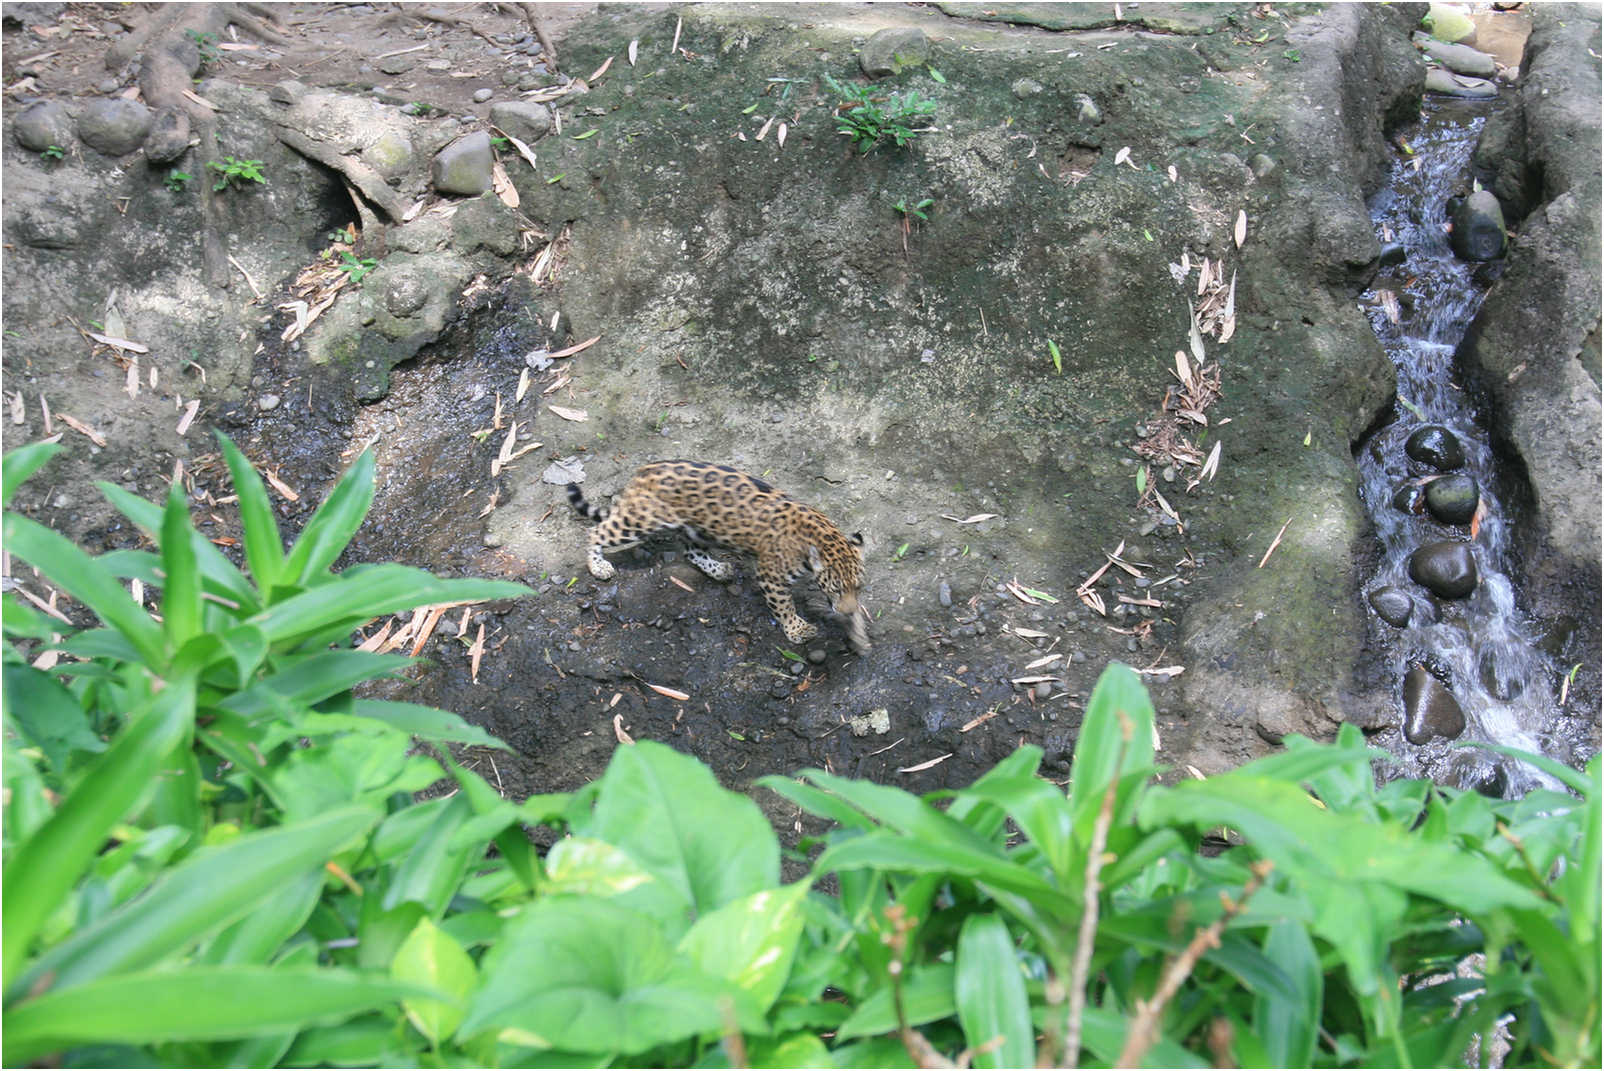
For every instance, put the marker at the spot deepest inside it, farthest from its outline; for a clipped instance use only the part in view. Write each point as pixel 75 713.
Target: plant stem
pixel 1090 895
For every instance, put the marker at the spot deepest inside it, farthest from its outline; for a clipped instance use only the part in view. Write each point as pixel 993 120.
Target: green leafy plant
pixel 215 855
pixel 869 119
pixel 356 268
pixel 205 45
pixel 909 214
pixel 177 181
pixel 1293 54
pixel 232 173
pixel 53 153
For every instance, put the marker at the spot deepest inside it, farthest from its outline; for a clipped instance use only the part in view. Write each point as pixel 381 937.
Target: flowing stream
pixel 1468 666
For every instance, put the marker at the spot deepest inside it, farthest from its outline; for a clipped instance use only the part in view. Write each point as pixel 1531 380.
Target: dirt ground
pixel 962 672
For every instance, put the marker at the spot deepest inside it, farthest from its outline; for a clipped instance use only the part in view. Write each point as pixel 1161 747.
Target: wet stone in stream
pixel 1410 498
pixel 1453 499
pixel 1392 605
pixel 1446 568
pixel 1436 446
pixel 1499 678
pixel 1430 709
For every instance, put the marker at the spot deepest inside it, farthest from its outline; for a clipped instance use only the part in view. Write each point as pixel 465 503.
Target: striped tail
pixel 576 498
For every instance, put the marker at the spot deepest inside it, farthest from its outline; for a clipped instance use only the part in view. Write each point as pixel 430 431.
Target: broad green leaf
pixel 1116 738
pixel 608 982
pixel 434 960
pixel 586 866
pixel 1288 1021
pixel 312 680
pixel 349 768
pixel 25 622
pixel 256 938
pixel 431 872
pixel 707 844
pixel 365 1041
pixel 1312 844
pixel 1103 1032
pixel 923 855
pixel 428 723
pixel 208 891
pixel 971 808
pixel 798 1050
pixel 750 942
pixel 1041 811
pixel 198 1003
pixel 815 802
pixel 49 716
pixel 23 462
pixel 325 536
pixel 181 601
pixel 80 576
pixel 927 995
pixel 989 989
pixel 264 548
pixel 1560 772
pixel 49 863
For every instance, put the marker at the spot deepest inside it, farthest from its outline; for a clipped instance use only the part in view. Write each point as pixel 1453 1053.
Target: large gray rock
pixel 115 126
pixel 1461 59
pixel 169 137
pixel 1442 81
pixel 893 50
pixel 1535 340
pixel 525 121
pixel 463 167
pixel 1479 227
pixel 43 124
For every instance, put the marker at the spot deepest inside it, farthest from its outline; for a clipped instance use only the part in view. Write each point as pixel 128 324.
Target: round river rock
pixel 1436 446
pixel 1453 499
pixel 1446 568
pixel 1430 709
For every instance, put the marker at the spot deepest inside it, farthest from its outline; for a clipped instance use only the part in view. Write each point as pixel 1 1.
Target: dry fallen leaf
pixel 189 416
pixel 571 350
pixel 672 693
pixel 634 50
pixel 578 416
pixel 925 765
pixel 82 429
pixel 973 519
pixel 763 133
pixel 1241 227
pixel 477 652
pixel 1123 155
pixel 281 487
pixel 618 730
pixel 118 343
pixel 779 136
pixel 523 385
pixel 599 71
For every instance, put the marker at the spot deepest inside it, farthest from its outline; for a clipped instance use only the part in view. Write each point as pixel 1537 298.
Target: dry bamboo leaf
pixel 412 213
pixel 672 693
pixel 599 71
pixel 1241 227
pixel 618 730
pixel 1204 277
pixel 1164 671
pixel 118 343
pixel 679 24
pixel 1194 416
pixel 17 412
pixel 1212 465
pixel 1122 156
pixel 1195 338
pixel 1093 602
pixel 495 417
pixel 1047 660
pixel 202 101
pixel 558 384
pixel 542 262
pixel 1165 506
pixel 477 652
pixel 1027 633
pixel 1174 175
pixel 925 765
pixel 576 348
pixel 503 186
pixel 281 487
pixel 523 385
pixel 462 625
pixel 973 519
pixel 634 50
pixel 1140 602
pixel 189 416
pixel 131 383
pixel 82 429
pixel 779 136
pixel 677 582
pixel 578 416
pixel 429 624
pixel 1034 680
pixel 1183 371
pixel 763 133
pixel 981 720
pixel 523 149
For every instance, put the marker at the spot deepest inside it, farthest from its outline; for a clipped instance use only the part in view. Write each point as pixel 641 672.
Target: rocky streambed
pixel 490 267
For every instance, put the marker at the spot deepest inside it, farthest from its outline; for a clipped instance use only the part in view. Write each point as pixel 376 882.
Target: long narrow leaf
pixel 332 526
pixel 206 892
pixel 221 577
pixel 360 596
pixel 196 1004
pixel 264 547
pixel 80 576
pixel 429 723
pixel 23 462
pixel 51 861
pixel 181 603
pixel 312 680
pixel 1116 738
pixel 989 990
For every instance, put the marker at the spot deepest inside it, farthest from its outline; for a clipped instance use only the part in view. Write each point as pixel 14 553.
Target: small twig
pixel 1088 919
pixel 734 1043
pixel 1276 542
pixel 1144 1028
pixel 248 280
